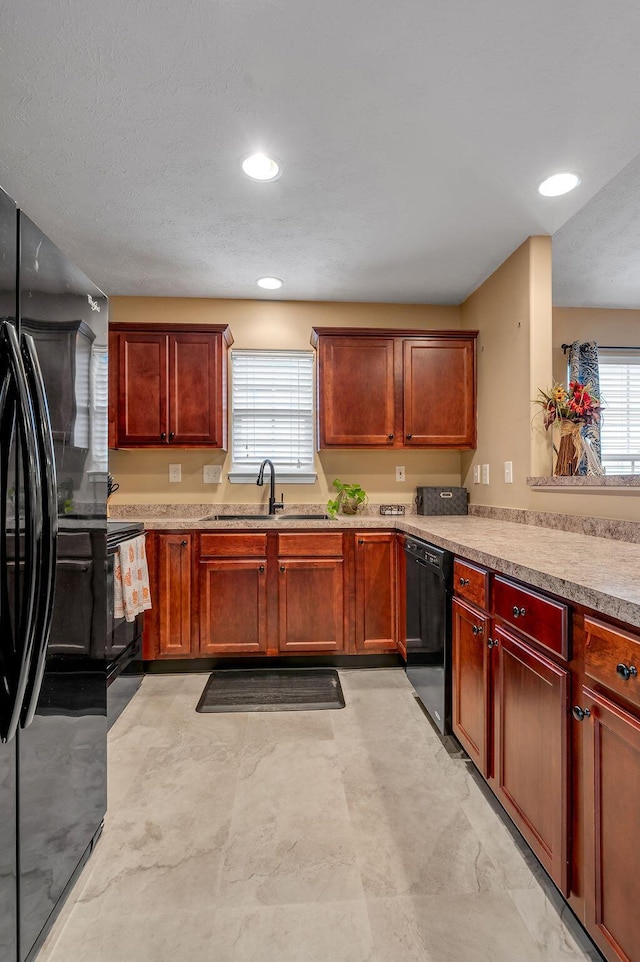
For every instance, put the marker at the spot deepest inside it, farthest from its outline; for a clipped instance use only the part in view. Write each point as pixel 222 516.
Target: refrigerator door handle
pixel 33 528
pixel 48 492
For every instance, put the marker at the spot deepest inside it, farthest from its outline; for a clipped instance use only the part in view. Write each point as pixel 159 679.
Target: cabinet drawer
pixel 539 618
pixel 471 583
pixel 612 658
pixel 307 544
pixel 233 545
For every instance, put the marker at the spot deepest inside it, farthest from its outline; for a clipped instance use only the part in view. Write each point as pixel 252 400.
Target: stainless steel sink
pixel 239 517
pixel 302 517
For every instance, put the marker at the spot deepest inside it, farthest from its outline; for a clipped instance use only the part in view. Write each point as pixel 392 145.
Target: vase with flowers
pixel 571 410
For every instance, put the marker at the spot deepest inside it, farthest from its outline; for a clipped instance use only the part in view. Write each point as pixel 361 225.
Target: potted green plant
pixel 349 499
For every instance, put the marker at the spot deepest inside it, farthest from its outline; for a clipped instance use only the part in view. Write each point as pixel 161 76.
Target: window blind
pixel 99 381
pixel 272 412
pixel 620 427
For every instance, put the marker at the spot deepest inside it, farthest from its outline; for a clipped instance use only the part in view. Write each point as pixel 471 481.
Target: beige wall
pixel 512 311
pixel 143 475
pixel 607 327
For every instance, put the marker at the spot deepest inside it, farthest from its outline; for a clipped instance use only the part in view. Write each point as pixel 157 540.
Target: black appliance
pixel 124 638
pixel 429 576
pixel 53 482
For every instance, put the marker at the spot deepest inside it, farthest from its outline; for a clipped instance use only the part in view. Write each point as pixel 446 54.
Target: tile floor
pixel 330 836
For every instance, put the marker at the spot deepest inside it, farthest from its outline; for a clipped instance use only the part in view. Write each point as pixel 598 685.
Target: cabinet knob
pixel 477 629
pixel 580 713
pixel 389 437
pixel 171 435
pixel 360 540
pixel 492 643
pixel 463 582
pixel 626 671
pixel 282 568
pixel 409 436
pixel 519 612
pixel 261 569
pixel 184 543
pixel 163 436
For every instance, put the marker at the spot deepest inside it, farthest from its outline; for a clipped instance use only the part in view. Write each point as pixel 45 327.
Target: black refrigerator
pixel 53 473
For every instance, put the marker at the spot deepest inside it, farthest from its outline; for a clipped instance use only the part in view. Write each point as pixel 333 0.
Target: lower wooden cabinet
pixel 471 712
pixel 233 607
pixel 310 605
pixel 510 713
pixel 375 578
pixel 269 593
pixel 173 597
pixel 611 768
pixel 530 704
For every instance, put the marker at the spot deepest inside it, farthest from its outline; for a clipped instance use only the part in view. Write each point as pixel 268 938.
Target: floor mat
pixel 267 690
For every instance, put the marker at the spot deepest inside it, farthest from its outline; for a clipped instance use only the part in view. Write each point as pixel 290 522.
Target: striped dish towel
pixel 131 594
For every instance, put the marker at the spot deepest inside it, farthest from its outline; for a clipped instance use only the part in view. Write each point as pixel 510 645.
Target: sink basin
pixel 239 517
pixel 302 517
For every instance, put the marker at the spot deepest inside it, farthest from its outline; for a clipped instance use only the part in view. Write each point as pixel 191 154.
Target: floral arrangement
pixel 572 409
pixel 577 404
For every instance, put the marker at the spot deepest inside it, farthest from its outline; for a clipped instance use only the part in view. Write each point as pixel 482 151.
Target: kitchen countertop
pixel 600 573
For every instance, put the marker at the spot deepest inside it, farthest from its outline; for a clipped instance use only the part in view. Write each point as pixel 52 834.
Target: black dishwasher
pixel 429 575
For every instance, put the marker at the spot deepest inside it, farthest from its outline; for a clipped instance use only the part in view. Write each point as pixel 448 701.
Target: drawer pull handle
pixel 409 436
pixel 477 629
pixel 519 612
pixel 463 582
pixel 389 437
pixel 184 543
pixel 580 713
pixel 282 568
pixel 261 569
pixel 626 672
pixel 493 643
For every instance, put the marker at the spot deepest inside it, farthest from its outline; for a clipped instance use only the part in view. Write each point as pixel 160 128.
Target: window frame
pixel 240 472
pixel 610 357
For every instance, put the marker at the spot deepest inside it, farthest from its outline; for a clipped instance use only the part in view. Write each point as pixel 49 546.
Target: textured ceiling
pixel 412 134
pixel 596 255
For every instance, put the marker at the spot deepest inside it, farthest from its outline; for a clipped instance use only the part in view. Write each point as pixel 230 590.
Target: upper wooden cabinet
pixel 168 385
pixel 395 389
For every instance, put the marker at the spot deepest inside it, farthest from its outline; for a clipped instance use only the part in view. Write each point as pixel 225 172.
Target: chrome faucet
pixel 273 504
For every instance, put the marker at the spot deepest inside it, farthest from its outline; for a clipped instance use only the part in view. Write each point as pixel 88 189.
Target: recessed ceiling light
pixel 261 167
pixel 269 283
pixel 558 184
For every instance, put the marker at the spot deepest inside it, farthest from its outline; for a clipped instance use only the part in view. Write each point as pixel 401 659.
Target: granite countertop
pixel 600 573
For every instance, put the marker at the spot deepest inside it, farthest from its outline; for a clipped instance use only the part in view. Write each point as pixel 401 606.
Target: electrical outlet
pixel 211 473
pixel 476 474
pixel 400 476
pixel 508 472
pixel 175 472
pixel 485 474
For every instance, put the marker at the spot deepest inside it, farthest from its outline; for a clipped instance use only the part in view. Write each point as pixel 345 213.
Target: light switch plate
pixel 476 474
pixel 485 474
pixel 508 472
pixel 175 472
pixel 211 473
pixel 400 475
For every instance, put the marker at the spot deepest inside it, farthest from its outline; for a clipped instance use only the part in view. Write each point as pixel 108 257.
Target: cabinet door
pixel 471 679
pixel 196 389
pixel 376 615
pixel 531 749
pixel 174 596
pixel 439 392
pixel 142 389
pixel 233 606
pixel 310 605
pixel 356 391
pixel 612 826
